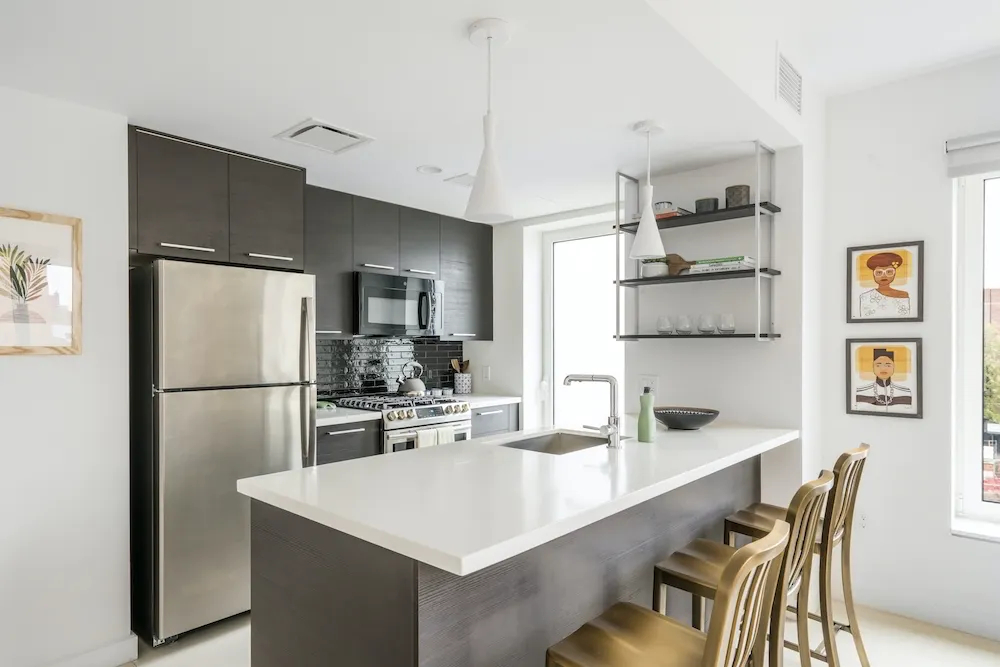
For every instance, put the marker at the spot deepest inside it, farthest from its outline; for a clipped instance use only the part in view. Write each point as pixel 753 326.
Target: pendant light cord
pixel 489 74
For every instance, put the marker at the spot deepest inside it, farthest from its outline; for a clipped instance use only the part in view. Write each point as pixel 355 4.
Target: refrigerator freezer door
pixel 225 326
pixel 206 441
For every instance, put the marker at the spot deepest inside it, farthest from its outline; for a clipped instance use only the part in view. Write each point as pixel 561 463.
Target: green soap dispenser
pixel 647 422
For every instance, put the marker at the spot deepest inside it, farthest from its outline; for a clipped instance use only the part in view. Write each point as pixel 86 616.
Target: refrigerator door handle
pixel 308 433
pixel 307 344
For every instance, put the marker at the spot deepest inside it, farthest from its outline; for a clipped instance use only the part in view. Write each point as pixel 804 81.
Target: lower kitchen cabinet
pixel 495 419
pixel 348 441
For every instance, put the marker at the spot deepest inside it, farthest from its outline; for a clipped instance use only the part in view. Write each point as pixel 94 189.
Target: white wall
pixel 64 505
pixel 749 382
pixel 886 182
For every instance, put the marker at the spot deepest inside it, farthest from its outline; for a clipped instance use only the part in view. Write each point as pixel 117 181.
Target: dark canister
pixel 737 195
pixel 706 205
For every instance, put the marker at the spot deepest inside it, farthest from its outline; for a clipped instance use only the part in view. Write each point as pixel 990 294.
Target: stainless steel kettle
pixel 412 384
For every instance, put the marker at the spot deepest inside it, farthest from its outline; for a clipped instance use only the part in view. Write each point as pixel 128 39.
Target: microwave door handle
pixel 423 303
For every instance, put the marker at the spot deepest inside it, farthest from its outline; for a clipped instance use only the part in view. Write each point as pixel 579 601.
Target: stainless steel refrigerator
pixel 223 387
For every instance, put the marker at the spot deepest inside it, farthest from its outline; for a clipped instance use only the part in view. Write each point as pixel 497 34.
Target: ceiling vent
pixel 465 180
pixel 325 137
pixel 789 84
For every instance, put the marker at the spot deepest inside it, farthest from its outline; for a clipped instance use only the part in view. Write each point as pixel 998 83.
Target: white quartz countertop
pixel 338 416
pixel 465 506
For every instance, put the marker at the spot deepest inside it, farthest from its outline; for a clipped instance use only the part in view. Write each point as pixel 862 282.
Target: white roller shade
pixel 977 154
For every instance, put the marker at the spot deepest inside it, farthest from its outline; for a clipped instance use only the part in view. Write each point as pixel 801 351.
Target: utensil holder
pixel 463 383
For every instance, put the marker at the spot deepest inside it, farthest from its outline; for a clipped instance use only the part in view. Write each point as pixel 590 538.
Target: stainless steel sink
pixel 558 443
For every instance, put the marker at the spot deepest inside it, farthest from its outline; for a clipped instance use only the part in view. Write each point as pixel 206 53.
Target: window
pixel 977 337
pixel 581 324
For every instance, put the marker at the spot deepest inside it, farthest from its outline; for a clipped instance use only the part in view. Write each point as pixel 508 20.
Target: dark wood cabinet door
pixel 348 441
pixel 266 220
pixel 376 236
pixel 329 255
pixel 182 199
pixel 419 244
pixel 467 271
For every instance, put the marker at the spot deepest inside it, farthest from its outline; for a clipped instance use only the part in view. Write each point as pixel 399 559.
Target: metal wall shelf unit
pixel 761 212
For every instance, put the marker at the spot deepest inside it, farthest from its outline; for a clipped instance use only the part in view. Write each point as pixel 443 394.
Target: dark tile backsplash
pixel 374 365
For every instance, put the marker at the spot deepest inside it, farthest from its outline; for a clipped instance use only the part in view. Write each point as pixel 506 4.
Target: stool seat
pixel 699 565
pixel 627 634
pixel 757 520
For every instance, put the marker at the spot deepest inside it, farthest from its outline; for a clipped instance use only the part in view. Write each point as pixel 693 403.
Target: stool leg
pixel 852 617
pixel 802 616
pixel 826 606
pixel 697 612
pixel 776 632
pixel 659 593
pixel 730 534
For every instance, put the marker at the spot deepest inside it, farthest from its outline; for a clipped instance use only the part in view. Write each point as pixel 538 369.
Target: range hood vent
pixel 789 84
pixel 323 136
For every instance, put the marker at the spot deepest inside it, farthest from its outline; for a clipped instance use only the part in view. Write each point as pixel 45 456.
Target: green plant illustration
pixel 23 278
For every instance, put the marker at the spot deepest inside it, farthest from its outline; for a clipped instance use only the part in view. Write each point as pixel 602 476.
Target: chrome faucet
pixel 611 430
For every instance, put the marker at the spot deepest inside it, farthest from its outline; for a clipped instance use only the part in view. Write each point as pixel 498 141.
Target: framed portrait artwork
pixel 885 282
pixel 41 283
pixel 885 377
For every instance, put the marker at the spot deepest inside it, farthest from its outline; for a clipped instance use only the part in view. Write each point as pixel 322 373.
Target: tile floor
pixel 891 641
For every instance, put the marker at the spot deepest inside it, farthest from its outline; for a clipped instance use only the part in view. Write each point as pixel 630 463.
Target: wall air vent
pixel 325 137
pixel 465 180
pixel 789 84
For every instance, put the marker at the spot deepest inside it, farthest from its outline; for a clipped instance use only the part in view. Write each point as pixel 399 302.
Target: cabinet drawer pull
pixel 489 412
pixel 330 332
pixel 280 258
pixel 461 335
pixel 422 272
pixel 353 430
pixel 379 266
pixel 181 246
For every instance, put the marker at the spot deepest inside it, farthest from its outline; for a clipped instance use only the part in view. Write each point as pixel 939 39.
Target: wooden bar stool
pixel 627 635
pixel 697 569
pixel 836 528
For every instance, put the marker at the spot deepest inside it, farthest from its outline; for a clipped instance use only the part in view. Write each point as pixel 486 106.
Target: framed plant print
pixel 41 283
pixel 885 377
pixel 885 282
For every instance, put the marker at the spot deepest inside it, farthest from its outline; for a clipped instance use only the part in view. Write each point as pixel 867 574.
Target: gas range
pixel 410 411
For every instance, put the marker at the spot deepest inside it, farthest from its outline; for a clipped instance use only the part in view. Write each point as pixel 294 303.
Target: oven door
pixel 406 438
pixel 398 305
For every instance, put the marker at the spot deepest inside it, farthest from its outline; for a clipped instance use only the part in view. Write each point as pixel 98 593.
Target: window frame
pixel 968 330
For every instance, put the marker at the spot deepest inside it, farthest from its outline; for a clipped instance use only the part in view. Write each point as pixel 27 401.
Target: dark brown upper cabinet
pixel 266 223
pixel 329 256
pixel 467 271
pixel 376 236
pixel 181 199
pixel 419 244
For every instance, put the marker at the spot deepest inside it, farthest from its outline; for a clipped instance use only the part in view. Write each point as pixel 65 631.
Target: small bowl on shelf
pixel 684 419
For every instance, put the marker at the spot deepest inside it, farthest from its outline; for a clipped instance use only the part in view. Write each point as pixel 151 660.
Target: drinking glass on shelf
pixel 664 325
pixel 706 324
pixel 682 325
pixel 727 323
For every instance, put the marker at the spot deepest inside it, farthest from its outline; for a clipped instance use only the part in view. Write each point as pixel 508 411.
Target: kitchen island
pixel 476 553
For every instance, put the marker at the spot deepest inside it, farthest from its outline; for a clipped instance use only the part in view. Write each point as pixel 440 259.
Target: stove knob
pixel 448 409
pixel 391 415
pixel 412 414
pixel 464 407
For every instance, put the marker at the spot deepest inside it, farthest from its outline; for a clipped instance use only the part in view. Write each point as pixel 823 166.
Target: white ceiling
pixel 852 44
pixel 237 72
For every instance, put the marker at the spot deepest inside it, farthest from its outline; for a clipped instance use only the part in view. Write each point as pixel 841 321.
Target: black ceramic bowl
pixel 684 419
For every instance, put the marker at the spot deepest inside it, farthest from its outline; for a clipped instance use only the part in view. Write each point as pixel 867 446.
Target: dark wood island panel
pixel 321 597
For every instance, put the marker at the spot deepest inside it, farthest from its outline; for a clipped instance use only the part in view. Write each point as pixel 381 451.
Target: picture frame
pixel 885 282
pixel 41 283
pixel 884 377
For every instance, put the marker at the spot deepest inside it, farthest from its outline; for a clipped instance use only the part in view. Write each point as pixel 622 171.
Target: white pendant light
pixel 647 243
pixel 488 200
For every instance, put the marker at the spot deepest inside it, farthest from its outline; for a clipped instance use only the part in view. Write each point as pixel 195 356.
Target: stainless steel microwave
pixel 398 305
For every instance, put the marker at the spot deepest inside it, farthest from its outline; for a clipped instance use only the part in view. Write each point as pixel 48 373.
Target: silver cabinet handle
pixel 379 266
pixel 353 430
pixel 422 272
pixel 181 246
pixel 463 335
pixel 280 258
pixel 490 412
pixel 329 332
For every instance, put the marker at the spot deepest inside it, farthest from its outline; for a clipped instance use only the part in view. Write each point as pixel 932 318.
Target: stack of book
pixel 722 264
